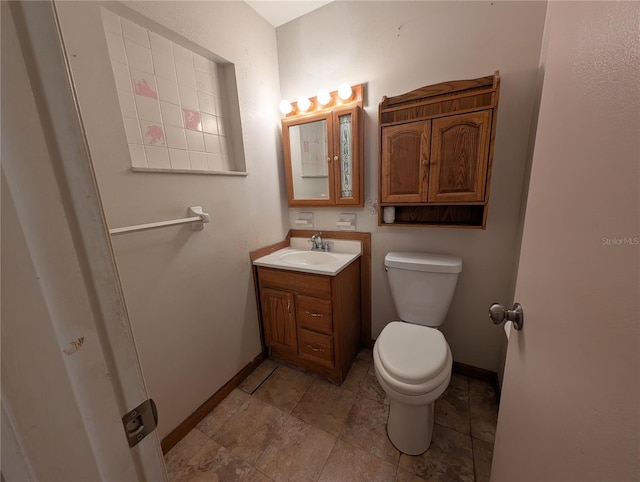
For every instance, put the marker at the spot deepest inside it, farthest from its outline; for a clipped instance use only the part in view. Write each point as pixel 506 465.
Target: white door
pixel 570 408
pixel 69 364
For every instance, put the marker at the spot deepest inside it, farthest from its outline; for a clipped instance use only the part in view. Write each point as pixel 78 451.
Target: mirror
pixel 323 152
pixel 309 148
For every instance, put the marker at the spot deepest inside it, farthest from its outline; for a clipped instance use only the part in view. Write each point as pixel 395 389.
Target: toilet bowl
pixel 412 359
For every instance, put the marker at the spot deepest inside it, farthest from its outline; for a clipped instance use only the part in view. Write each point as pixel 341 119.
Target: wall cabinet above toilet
pixel 436 151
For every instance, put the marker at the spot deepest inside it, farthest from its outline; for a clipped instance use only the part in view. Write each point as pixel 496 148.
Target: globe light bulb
pixel 285 107
pixel 304 104
pixel 345 92
pixel 324 97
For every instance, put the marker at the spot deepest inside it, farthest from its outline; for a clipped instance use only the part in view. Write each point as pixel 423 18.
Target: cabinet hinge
pixel 140 422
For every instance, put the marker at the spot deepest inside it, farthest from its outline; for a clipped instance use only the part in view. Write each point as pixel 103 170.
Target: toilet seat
pixel 413 359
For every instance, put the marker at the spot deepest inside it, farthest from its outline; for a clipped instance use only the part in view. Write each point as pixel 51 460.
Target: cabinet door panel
pixel 404 157
pixel 459 154
pixel 347 150
pixel 279 322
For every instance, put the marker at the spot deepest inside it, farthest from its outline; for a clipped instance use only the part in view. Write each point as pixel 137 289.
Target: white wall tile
pixel 192 120
pixel 175 137
pixel 212 144
pixel 132 129
pixel 116 48
pixel 215 162
pixel 171 114
pixel 138 57
pixel 127 104
pixel 160 44
pixel 148 109
pixel 195 140
pixel 188 97
pixel 179 159
pixel 163 65
pixel 157 157
pixel 153 134
pixel 209 123
pixel 135 32
pixel 198 161
pixel 186 75
pixel 182 55
pixel 121 76
pixel 207 103
pixel 206 82
pixel 110 22
pixel 167 90
pixel 138 156
pixel 144 84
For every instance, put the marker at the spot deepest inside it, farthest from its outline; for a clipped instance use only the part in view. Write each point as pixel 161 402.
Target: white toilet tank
pixel 422 285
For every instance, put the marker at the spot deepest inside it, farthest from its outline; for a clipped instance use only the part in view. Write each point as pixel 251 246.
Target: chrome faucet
pixel 318 245
pixel 316 242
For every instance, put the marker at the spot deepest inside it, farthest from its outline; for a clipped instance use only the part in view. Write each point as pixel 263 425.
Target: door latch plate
pixel 140 422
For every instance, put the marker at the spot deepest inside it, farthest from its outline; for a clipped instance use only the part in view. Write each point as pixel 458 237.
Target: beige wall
pixel 394 47
pixel 190 294
pixel 570 404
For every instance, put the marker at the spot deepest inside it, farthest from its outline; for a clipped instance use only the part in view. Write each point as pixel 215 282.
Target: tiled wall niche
pixel 179 107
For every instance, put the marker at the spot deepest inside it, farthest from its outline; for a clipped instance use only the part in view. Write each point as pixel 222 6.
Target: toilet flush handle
pixel 498 314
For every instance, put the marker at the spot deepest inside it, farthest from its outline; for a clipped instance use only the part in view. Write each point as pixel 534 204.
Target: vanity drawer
pixel 314 313
pixel 315 347
pixel 311 284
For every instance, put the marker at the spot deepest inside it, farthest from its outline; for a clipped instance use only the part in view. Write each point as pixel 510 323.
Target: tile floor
pixel 282 424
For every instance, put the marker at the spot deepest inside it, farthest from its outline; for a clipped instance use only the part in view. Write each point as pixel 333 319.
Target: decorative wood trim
pixel 259 253
pixel 203 410
pixel 443 88
pixel 365 272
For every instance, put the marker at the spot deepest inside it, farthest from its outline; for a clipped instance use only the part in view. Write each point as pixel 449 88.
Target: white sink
pixel 298 257
pixel 308 258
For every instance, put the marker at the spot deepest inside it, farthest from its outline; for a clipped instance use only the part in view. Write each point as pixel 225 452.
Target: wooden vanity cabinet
pixel 310 320
pixel 436 150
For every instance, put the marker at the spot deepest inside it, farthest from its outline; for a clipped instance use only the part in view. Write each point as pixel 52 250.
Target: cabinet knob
pixel 315 315
pixel 335 158
pixel 328 159
pixel 313 348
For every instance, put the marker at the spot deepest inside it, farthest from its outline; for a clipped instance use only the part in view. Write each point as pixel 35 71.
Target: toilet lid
pixel 412 353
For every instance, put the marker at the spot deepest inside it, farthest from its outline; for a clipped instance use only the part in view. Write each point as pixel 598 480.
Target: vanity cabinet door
pixel 459 156
pixel 279 320
pixel 405 162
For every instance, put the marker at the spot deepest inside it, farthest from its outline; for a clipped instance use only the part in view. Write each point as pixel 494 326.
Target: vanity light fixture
pixel 304 104
pixel 345 92
pixel 286 107
pixel 324 101
pixel 324 97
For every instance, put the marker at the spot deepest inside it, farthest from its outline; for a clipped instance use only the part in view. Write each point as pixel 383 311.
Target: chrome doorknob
pixel 498 314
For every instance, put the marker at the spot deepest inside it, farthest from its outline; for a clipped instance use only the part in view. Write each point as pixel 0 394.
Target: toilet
pixel 411 357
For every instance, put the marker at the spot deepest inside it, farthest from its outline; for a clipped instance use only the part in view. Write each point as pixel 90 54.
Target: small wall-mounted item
pixel 323 142
pixel 304 220
pixel 389 214
pixel 347 222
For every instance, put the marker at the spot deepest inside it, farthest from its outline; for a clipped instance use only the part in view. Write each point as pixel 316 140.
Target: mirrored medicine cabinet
pixel 323 152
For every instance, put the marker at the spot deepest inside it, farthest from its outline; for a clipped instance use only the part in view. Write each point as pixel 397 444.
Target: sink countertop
pixel 344 251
